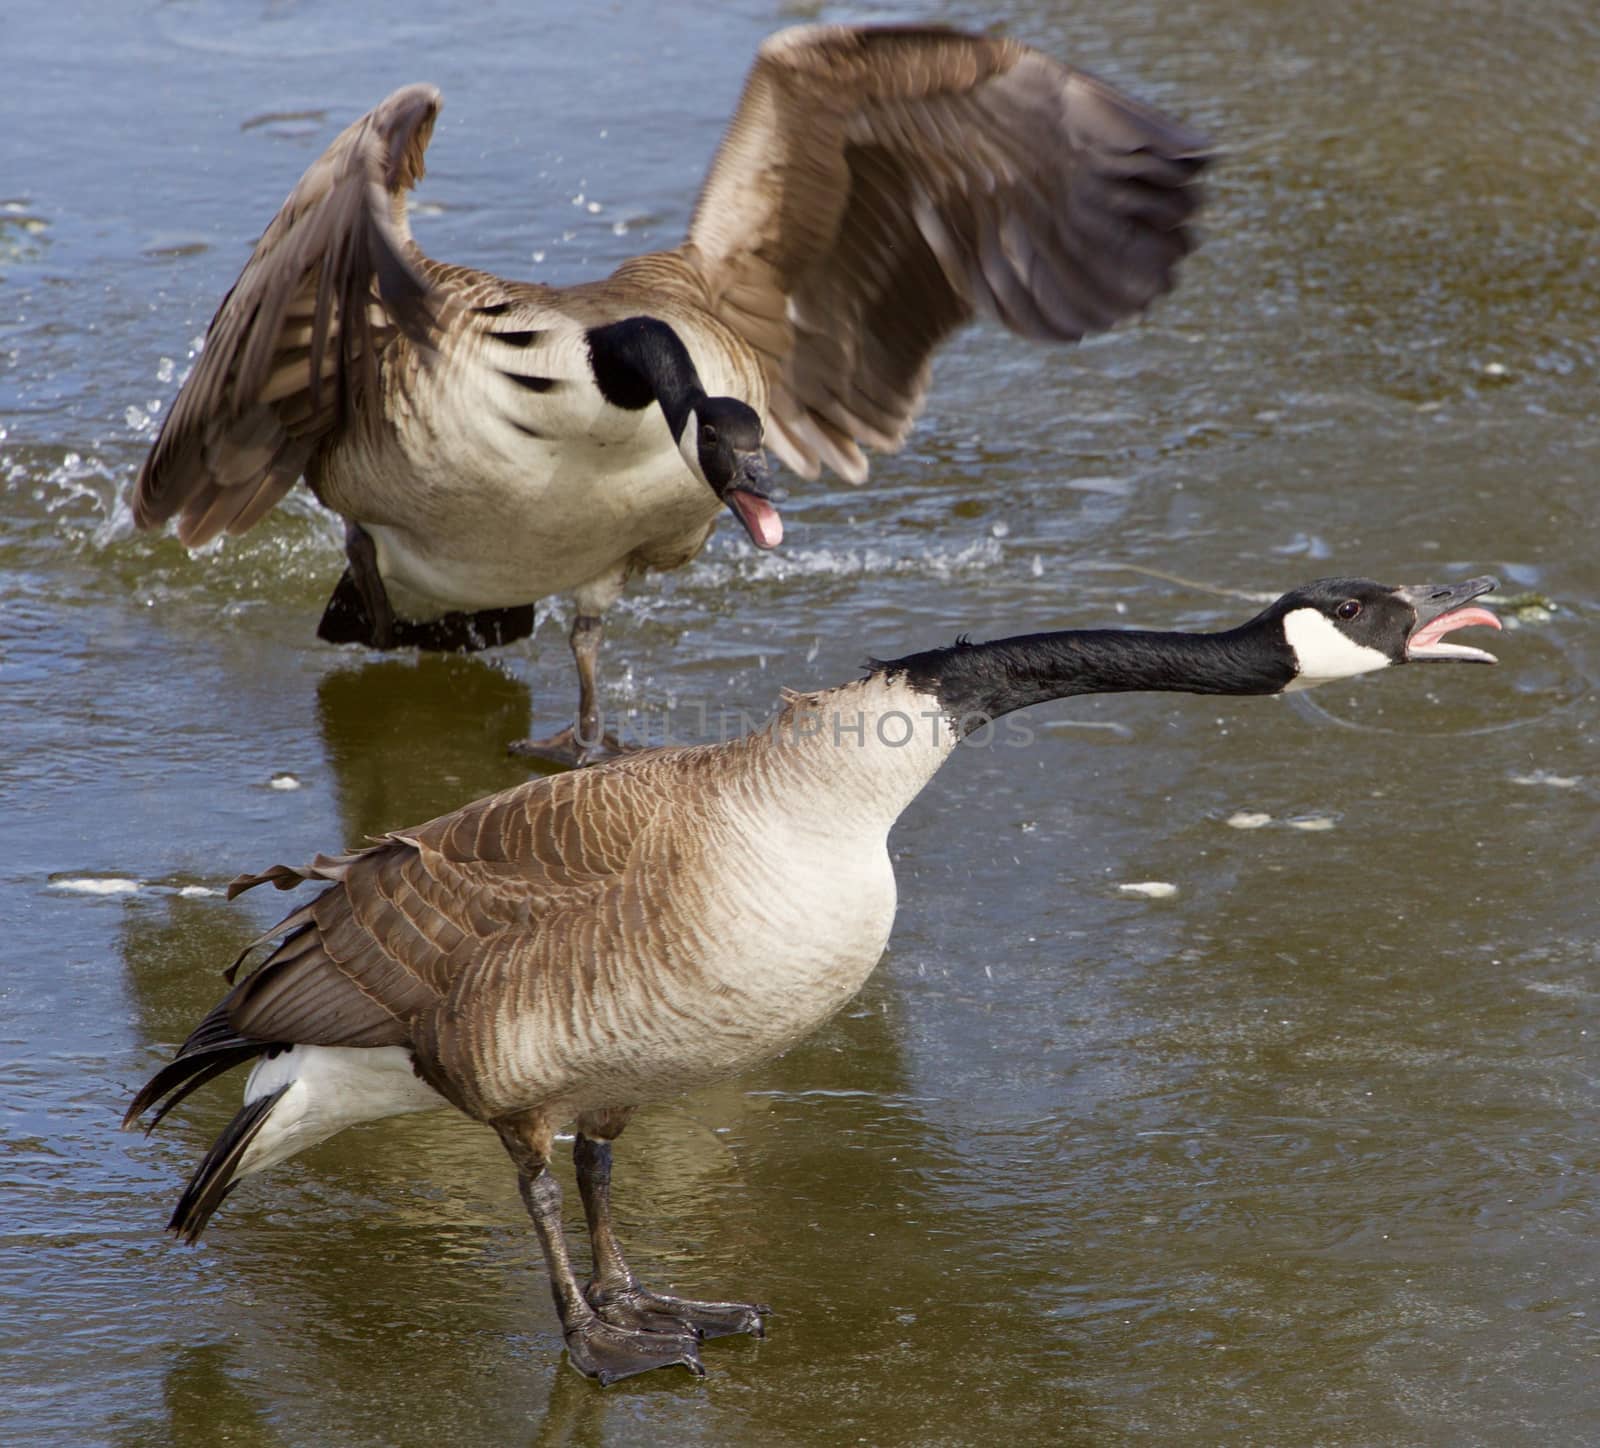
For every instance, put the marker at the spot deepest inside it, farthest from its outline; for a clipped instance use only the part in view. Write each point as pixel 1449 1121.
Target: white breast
pixel 484 493
pixel 796 899
pixel 814 915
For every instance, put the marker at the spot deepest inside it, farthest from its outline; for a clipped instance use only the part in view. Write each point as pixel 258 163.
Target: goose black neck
pixel 975 682
pixel 642 360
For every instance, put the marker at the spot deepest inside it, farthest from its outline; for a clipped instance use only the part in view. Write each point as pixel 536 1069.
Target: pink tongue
pixel 1431 633
pixel 759 517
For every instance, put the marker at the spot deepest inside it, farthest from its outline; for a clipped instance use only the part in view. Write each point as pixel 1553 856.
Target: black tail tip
pixel 216 1176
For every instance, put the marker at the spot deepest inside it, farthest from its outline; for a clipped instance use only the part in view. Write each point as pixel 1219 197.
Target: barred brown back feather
pixel 516 895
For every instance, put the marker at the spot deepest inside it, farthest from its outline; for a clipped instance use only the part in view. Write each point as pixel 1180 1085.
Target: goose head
pixel 721 443
pixel 1336 628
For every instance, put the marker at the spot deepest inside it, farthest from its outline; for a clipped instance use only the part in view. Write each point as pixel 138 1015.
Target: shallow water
pixel 1304 1153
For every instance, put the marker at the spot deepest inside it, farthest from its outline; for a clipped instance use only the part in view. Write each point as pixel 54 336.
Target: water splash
pixel 739 561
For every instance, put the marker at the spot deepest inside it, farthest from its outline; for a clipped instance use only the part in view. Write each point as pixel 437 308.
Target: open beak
pixel 1442 608
pixel 746 497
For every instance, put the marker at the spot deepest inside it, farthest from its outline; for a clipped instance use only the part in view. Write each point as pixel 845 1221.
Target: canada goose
pixel 491 443
pixel 572 948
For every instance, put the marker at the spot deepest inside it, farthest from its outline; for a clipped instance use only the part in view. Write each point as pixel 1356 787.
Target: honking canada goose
pixel 491 443
pixel 572 948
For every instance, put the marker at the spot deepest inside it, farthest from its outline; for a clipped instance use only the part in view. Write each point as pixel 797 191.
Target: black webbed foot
pixel 607 1353
pixel 348 620
pixel 640 1308
pixel 466 633
pixel 567 749
pixel 359 612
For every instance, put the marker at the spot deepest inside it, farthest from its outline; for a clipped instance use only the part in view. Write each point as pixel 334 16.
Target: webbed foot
pixel 359 612
pixel 568 750
pixel 466 633
pixel 606 1352
pixel 640 1308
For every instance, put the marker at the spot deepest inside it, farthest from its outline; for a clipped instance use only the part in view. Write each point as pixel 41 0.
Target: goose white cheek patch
pixel 1324 652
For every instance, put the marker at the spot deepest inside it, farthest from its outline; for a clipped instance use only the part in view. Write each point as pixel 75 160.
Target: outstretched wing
pixel 878 187
pixel 293 349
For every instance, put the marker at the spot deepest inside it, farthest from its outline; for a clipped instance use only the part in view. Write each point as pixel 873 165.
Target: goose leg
pixel 358 611
pixel 614 1292
pixel 580 743
pixel 598 1349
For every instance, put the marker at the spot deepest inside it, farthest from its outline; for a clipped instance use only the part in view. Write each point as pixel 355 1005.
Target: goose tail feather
pixel 218 1173
pixel 213 1047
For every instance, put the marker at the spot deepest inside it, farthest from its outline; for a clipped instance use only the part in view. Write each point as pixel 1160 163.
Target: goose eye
pixel 708 433
pixel 1348 609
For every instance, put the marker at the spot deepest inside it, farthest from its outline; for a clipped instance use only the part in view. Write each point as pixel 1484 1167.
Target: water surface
pixel 1305 1153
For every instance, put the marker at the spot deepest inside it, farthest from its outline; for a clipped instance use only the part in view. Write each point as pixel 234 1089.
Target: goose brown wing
pixel 407 918
pixel 878 187
pixel 292 352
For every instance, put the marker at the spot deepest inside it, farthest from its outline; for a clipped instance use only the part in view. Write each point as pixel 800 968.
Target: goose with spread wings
pixel 490 443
